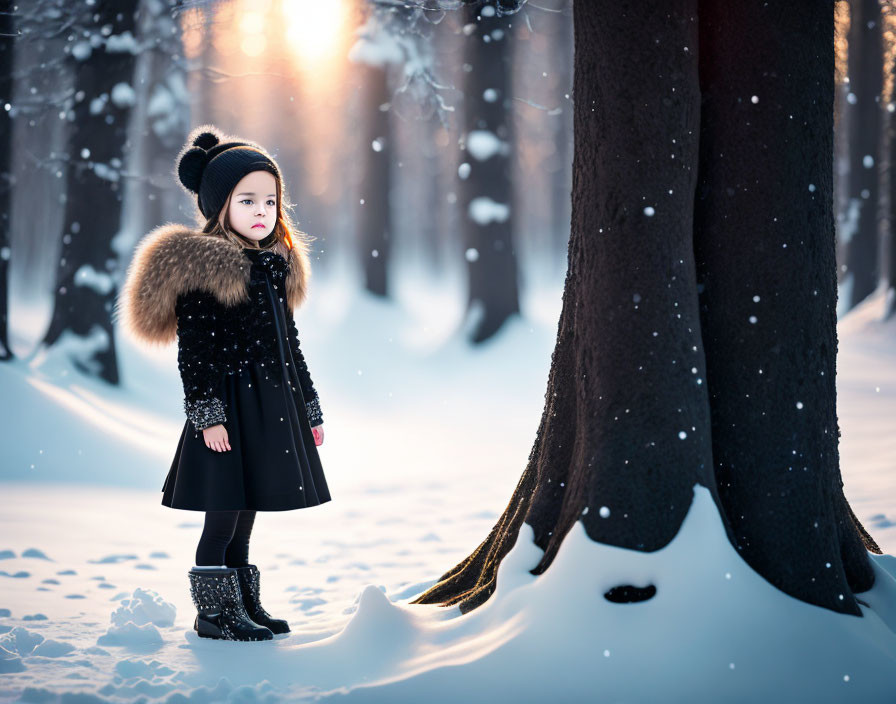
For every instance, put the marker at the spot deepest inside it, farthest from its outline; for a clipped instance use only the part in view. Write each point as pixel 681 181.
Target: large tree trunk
pixel 654 383
pixel 486 191
pixel 85 292
pixel 860 226
pixel 764 244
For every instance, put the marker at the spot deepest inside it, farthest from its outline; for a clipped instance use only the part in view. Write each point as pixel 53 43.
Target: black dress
pixel 273 463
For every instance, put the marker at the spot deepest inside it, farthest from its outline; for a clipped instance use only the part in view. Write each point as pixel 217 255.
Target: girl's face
pixel 253 205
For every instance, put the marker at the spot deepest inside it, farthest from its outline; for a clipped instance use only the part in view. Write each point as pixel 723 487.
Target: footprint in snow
pixel 53 648
pixel 305 603
pixel 113 559
pixel 35 553
pixel 18 575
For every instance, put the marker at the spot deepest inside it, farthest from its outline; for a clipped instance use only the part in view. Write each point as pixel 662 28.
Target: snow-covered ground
pixel 425 441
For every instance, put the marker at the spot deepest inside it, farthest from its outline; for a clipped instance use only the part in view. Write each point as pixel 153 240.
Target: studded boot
pixel 250 584
pixel 221 614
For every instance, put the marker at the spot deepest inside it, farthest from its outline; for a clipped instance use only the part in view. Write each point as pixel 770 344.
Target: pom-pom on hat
pixel 211 163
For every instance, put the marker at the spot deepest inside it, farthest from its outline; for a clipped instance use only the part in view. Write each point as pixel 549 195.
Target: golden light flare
pixel 254 45
pixel 314 30
pixel 253 25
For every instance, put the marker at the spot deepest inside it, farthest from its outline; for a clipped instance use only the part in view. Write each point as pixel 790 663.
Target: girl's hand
pixel 318 431
pixel 216 438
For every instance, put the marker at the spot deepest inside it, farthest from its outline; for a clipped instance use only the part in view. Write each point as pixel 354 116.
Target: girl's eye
pixel 272 203
pixel 246 200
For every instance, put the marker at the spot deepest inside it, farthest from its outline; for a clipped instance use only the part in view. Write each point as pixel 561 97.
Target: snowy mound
pixel 135 622
pixel 715 628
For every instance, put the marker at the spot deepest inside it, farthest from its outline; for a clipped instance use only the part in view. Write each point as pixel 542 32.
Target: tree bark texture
pixel 685 190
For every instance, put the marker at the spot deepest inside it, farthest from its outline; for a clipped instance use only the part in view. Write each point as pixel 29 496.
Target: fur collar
pixel 173 259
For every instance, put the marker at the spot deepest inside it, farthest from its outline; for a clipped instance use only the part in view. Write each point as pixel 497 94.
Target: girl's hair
pixel 288 235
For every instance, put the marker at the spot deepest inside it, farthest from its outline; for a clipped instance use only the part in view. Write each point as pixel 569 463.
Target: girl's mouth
pixel 261 224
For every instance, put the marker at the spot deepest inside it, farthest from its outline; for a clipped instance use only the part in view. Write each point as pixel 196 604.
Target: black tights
pixel 225 538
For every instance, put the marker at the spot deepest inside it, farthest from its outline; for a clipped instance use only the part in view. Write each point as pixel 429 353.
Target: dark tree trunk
pixel 7 53
pixel 374 219
pixel 865 83
pixel 654 376
pixel 486 193
pixel 84 293
pixel 764 245
pixel 161 115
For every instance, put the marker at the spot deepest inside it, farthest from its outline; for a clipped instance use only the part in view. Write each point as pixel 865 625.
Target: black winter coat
pixel 241 365
pixel 214 340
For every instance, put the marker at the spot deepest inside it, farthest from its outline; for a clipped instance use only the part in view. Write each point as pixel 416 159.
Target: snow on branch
pixel 398 37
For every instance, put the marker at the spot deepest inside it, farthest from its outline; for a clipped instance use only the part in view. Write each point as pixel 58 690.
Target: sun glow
pixel 314 28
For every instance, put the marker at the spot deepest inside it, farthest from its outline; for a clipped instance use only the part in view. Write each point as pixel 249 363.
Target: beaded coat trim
pixel 211 296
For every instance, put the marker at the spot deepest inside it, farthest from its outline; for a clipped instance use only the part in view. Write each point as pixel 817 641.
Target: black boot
pixel 218 599
pixel 250 584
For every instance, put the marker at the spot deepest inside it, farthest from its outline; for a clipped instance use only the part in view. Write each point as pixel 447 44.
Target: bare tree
pixel 485 187
pixel 372 57
pixel 859 229
pixel 103 57
pixel 702 221
pixel 374 223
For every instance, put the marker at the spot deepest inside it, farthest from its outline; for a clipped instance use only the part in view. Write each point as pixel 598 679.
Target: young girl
pixel 228 292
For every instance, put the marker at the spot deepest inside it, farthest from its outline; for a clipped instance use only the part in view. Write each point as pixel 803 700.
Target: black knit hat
pixel 211 163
